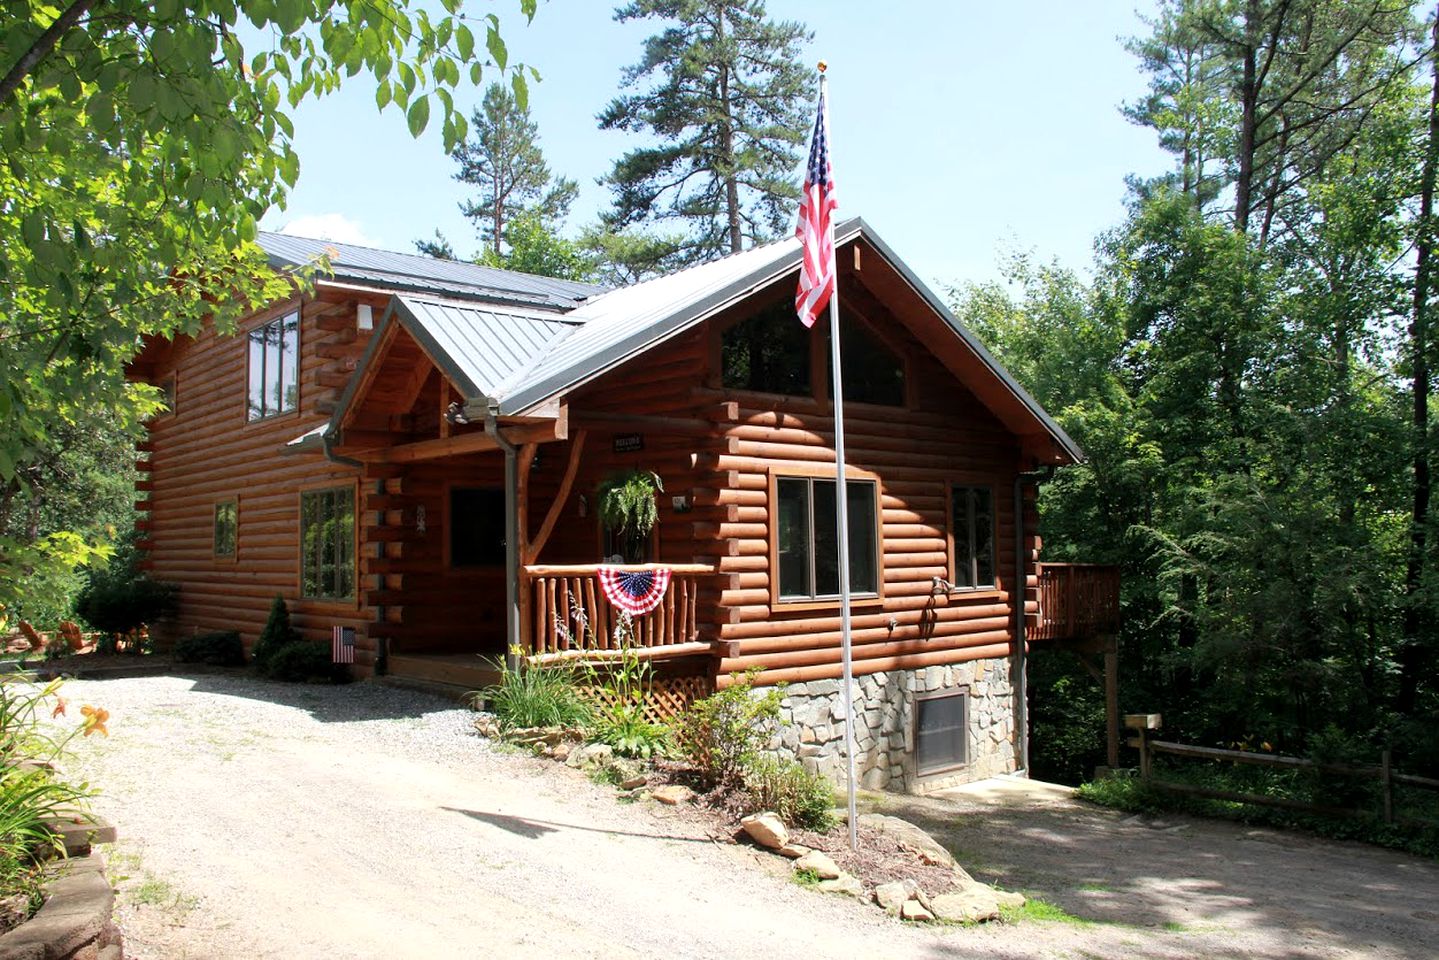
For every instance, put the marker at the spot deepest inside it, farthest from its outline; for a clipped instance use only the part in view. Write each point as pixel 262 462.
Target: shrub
pixel 222 649
pixel 300 661
pixel 119 599
pixel 535 696
pixel 799 797
pixel 620 714
pixel 722 734
pixel 277 633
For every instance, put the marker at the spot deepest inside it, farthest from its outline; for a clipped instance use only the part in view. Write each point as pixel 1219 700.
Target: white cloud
pixel 328 226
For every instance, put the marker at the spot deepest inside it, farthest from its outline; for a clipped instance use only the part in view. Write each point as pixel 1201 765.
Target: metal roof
pixel 408 271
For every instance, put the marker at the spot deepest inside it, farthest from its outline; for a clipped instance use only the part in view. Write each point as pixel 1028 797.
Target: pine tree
pixel 278 633
pixel 727 99
pixel 503 159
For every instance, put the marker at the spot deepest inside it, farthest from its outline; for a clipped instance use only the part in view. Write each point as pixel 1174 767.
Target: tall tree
pixel 504 161
pixel 726 97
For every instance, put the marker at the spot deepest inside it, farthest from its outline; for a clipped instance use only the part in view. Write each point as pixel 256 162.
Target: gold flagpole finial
pixel 823 66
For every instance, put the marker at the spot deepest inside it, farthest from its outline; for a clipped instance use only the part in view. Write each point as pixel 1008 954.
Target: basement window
pixel 941 733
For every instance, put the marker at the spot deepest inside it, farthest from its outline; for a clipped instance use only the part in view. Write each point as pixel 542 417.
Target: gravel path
pixel 261 820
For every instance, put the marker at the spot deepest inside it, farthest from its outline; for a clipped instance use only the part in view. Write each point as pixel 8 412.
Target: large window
pixel 477 527
pixel 807 548
pixel 227 526
pixel 327 543
pixel 872 372
pixel 769 352
pixel 274 367
pixel 971 511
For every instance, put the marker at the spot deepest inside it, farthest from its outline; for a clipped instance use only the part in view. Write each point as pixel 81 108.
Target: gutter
pixel 512 535
pixel 1020 678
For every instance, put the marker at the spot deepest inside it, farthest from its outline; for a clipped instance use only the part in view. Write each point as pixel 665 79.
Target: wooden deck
pixel 1078 603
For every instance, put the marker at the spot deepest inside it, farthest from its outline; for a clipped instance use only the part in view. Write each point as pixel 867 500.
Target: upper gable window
pixel 274 367
pixel 872 372
pixel 769 352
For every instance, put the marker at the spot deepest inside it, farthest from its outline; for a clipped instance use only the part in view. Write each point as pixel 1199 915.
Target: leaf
pixel 464 42
pixel 382 94
pixel 419 115
pixel 496 45
pixel 32 228
pixel 521 90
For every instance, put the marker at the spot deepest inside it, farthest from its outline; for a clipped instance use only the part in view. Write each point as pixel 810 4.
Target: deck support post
pixel 512 539
pixel 1111 701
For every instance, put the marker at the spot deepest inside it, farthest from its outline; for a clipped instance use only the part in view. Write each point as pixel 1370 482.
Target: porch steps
pixel 448 675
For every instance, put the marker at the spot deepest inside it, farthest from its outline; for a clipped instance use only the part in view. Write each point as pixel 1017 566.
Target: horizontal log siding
pixel 207 452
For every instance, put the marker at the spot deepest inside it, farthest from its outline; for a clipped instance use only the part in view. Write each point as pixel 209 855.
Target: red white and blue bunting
pixel 636 592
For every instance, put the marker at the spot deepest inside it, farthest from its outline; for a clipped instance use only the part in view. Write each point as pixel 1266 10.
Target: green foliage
pixel 722 734
pixel 1042 911
pixel 727 97
pixel 277 633
pixel 220 649
pixel 300 661
pixel 619 715
pixel 537 696
pixel 781 784
pixel 119 598
pixel 627 507
pixel 806 877
pixel 535 246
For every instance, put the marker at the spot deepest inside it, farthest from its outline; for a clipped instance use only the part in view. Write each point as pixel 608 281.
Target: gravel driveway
pixel 265 820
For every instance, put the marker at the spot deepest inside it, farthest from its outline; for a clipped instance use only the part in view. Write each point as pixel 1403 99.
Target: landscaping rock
pixel 673 794
pixel 487 725
pixel 892 896
pixel 844 883
pixel 921 844
pixel 1010 899
pixel 634 781
pixel 793 850
pixel 819 864
pixel 914 910
pixel 590 755
pixel 562 751
pixel 968 904
pixel 766 829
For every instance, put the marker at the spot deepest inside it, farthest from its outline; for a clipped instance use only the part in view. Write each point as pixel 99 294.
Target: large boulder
pixel 892 896
pixel 766 829
pixel 912 838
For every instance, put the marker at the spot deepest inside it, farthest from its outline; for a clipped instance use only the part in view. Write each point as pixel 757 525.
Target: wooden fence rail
pixel 571 617
pixel 1146 724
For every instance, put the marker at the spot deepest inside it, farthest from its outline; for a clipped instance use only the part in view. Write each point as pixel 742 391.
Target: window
pixel 274 367
pixel 971 512
pixel 872 373
pixel 807 547
pixel 477 527
pixel 941 733
pixel 227 525
pixel 327 544
pixel 769 352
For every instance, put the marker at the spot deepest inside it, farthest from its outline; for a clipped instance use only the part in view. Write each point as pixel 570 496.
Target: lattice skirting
pixel 668 696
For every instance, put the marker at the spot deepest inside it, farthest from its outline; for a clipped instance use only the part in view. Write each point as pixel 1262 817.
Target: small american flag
pixel 342 645
pixel 816 228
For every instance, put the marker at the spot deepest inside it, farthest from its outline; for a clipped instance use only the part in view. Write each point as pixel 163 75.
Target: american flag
pixel 816 228
pixel 342 645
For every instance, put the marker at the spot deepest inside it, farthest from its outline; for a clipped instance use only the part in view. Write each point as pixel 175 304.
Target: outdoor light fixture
pixel 456 414
pixel 681 504
pixel 364 317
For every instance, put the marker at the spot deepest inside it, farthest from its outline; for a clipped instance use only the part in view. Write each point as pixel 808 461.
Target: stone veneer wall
pixel 884 712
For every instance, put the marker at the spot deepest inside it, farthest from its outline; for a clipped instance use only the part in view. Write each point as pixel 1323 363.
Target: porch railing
pixel 1077 601
pixel 568 612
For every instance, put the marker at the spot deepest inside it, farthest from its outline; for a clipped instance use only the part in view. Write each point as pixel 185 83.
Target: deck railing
pixel 569 614
pixel 1077 601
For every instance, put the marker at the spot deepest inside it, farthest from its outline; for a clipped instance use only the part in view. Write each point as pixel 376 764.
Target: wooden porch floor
pixel 461 672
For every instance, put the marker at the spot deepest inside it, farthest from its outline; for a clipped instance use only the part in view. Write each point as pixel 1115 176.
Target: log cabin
pixel 410 449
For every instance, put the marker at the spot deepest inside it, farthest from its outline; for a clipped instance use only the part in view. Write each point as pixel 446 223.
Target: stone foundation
pixel 885 709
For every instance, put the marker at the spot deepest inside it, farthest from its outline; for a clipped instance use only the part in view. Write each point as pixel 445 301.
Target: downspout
pixel 1021 657
pixel 512 535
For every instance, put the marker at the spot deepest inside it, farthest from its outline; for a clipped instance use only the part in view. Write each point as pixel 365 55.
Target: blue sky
pixel 961 130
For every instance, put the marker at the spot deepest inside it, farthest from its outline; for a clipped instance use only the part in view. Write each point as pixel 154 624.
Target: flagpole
pixel 841 510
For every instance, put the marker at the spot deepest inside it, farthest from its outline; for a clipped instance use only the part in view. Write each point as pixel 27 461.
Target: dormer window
pixel 274 368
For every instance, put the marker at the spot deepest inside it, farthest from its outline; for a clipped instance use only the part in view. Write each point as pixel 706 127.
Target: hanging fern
pixel 627 506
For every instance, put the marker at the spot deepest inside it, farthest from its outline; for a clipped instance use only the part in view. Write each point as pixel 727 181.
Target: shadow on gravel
pixel 327 703
pixel 1194 887
pixel 534 829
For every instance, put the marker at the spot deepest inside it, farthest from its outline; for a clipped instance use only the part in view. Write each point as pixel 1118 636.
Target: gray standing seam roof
pixel 407 271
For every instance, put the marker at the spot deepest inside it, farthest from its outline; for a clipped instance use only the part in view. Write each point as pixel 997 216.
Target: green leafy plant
pixel 278 632
pixel 300 662
pixel 536 696
pixel 119 599
pixel 722 734
pixel 221 649
pixel 627 508
pixel 799 797
pixel 620 709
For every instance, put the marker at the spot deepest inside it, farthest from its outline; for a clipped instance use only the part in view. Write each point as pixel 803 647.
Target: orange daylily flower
pixel 59 711
pixel 95 718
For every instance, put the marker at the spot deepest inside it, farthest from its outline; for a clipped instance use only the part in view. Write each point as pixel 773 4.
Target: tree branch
pixel 42 46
